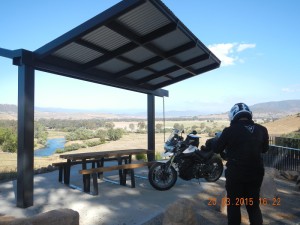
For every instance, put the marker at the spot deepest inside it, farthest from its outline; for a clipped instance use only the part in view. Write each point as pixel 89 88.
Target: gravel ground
pixel 119 205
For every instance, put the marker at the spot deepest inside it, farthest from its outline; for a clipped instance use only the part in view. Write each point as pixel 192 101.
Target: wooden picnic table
pixel 98 158
pixel 104 154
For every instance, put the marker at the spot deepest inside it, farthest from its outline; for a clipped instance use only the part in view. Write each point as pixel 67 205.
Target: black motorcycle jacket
pixel 244 141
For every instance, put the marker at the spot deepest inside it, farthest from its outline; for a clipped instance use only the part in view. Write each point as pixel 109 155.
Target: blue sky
pixel 257 42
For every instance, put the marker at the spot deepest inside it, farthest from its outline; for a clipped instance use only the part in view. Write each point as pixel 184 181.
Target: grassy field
pixel 136 140
pixel 132 140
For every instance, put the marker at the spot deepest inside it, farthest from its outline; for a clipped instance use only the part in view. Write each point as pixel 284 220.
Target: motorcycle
pixel 185 160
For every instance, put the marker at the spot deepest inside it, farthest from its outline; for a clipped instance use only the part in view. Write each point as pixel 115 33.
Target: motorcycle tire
pixel 217 164
pixel 160 178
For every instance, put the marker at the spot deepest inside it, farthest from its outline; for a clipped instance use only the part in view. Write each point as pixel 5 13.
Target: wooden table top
pixel 102 154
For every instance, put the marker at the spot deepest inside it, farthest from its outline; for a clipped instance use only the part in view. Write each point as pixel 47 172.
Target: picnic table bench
pixel 125 168
pixel 64 167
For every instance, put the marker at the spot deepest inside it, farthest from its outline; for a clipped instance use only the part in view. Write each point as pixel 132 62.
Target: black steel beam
pixel 25 163
pixel 91 46
pixel 123 49
pixel 156 59
pixel 110 55
pixel 137 67
pixel 187 75
pixel 95 76
pixel 157 75
pixel 122 30
pixel 173 69
pixel 10 53
pixel 151 125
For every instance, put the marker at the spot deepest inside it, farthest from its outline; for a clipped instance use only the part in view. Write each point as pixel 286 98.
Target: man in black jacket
pixel 244 141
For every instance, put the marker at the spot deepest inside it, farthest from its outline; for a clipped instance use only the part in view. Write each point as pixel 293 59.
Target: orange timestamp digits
pixel 244 201
pixel 212 202
pixel 237 201
pixel 267 201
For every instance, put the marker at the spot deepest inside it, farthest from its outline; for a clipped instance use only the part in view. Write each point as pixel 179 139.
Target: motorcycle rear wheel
pixel 162 178
pixel 217 165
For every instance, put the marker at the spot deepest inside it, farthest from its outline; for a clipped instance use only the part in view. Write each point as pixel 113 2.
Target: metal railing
pixel 282 158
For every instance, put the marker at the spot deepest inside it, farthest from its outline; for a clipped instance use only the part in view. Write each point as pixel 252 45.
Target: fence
pixel 282 158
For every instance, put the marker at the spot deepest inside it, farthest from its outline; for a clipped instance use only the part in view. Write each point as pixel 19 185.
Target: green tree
pixel 202 126
pixel 131 126
pixel 101 134
pixel 109 125
pixel 114 134
pixel 40 133
pixel 141 125
pixel 10 143
pixel 159 127
pixel 178 126
pixel 194 127
pixel 3 132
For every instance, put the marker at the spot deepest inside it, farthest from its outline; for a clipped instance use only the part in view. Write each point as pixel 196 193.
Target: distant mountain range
pixel 280 107
pixel 6 108
pixel 276 109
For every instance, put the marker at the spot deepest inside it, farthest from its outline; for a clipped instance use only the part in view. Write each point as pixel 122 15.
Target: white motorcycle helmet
pixel 238 111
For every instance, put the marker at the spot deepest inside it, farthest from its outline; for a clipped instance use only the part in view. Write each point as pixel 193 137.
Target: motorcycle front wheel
pixel 161 177
pixel 216 165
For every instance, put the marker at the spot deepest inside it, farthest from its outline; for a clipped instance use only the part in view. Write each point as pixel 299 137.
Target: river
pixel 51 146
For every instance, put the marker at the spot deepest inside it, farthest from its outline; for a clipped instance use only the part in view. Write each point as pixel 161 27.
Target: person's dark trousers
pixel 242 193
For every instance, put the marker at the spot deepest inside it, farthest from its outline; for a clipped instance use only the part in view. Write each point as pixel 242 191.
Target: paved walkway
pixel 118 205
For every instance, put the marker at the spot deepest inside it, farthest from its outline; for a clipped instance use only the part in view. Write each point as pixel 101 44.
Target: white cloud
pixel 292 89
pixel 228 53
pixel 242 47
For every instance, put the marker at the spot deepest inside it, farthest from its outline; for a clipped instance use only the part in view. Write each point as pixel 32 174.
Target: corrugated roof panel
pixel 161 65
pixel 144 19
pixel 113 66
pixel 177 73
pixel 158 80
pixel 189 54
pixel 139 54
pixel 133 41
pixel 171 40
pixel 139 74
pixel 106 38
pixel 201 64
pixel 77 53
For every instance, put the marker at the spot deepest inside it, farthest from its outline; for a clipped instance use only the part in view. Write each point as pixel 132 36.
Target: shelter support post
pixel 151 125
pixel 25 163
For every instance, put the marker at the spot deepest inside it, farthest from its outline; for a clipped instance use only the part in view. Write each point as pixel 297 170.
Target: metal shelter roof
pixel 139 45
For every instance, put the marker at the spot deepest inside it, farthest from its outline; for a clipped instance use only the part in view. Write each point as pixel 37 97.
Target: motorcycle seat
pixel 205 154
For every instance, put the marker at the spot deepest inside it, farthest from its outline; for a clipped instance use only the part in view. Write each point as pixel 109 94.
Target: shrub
pixel 144 156
pixel 114 134
pixel 93 143
pixel 101 134
pixel 141 157
pixel 291 140
pixel 59 150
pixel 71 147
pixel 80 134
